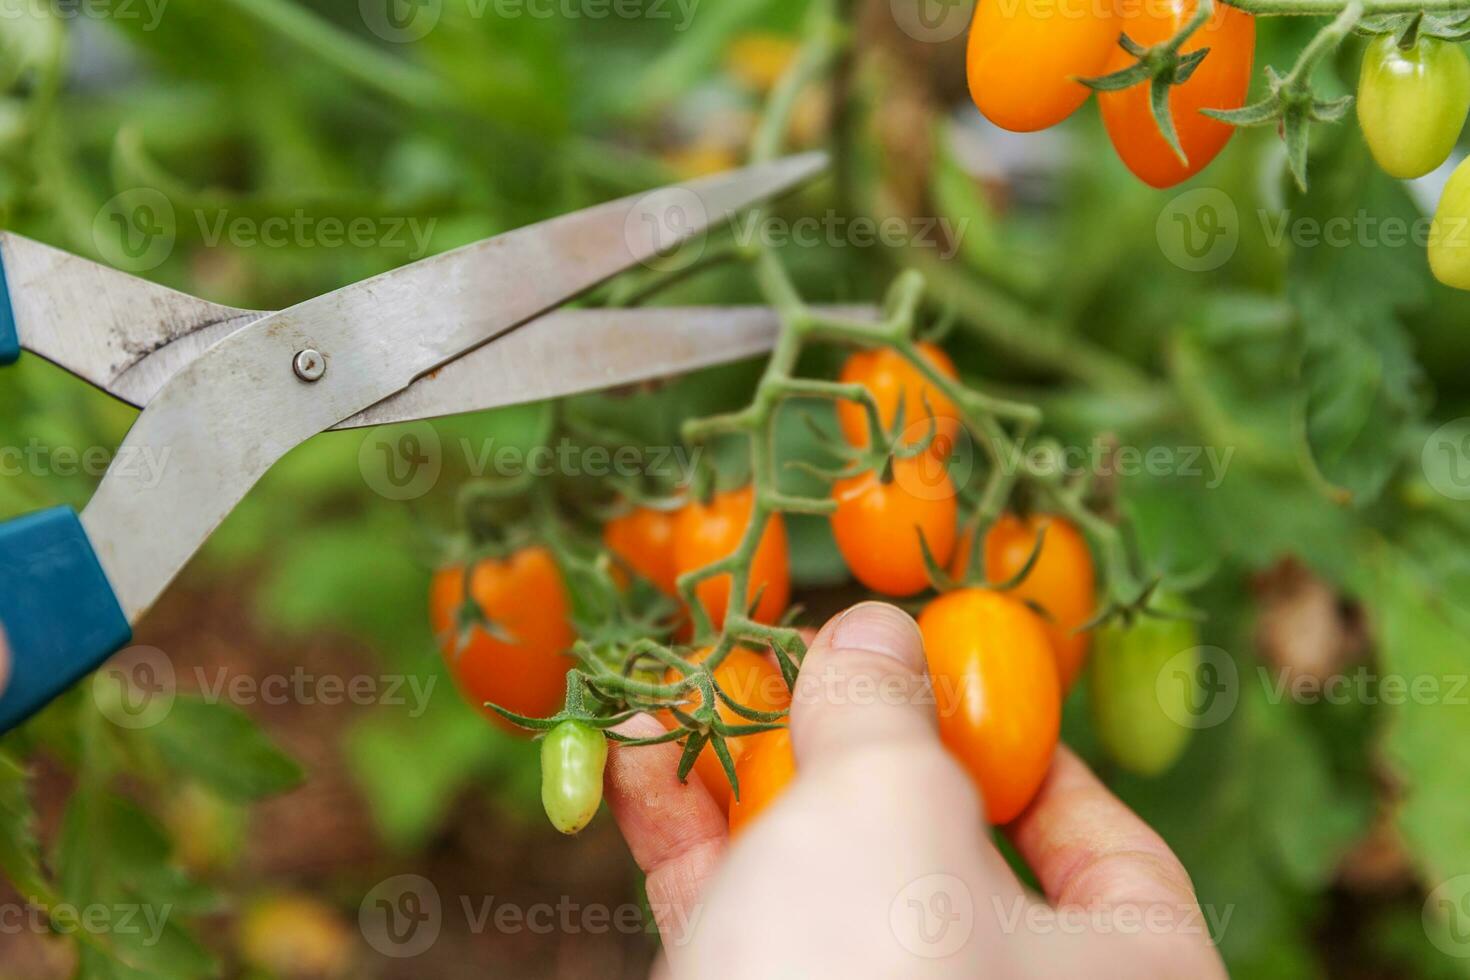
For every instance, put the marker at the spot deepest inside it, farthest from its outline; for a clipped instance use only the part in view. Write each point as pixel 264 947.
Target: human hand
pixel 877 862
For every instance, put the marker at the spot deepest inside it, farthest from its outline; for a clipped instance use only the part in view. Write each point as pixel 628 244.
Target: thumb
pixel 863 684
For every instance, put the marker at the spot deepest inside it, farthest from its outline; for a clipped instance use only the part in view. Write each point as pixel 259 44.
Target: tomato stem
pixel 1332 8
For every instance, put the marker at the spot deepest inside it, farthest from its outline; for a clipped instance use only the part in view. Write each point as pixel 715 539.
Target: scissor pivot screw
pixel 309 365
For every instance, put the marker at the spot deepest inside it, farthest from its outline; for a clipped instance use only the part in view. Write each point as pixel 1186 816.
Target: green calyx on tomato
pixel 1412 102
pixel 1138 704
pixel 1174 66
pixel 573 755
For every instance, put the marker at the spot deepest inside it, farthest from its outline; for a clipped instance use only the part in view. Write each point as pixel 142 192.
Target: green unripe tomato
pixel 1449 235
pixel 573 755
pixel 1143 733
pixel 1412 103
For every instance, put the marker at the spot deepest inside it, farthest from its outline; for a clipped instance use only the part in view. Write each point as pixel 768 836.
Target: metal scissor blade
pixel 568 352
pixel 123 334
pixel 229 415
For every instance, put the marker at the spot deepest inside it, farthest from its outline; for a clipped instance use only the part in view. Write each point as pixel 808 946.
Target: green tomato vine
pixel 616 680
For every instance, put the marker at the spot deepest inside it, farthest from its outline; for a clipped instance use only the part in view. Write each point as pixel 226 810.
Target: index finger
pixel 1087 848
pixel 676 831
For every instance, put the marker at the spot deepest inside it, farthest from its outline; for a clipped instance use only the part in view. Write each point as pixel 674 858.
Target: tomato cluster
pixel 1002 655
pixel 999 669
pixel 1025 60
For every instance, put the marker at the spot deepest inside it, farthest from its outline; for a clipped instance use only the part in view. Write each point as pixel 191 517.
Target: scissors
pixel 228 392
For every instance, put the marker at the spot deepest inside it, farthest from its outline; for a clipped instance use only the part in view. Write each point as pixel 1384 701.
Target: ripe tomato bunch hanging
pixel 1172 77
pixel 676 600
pixel 678 604
pixel 1030 65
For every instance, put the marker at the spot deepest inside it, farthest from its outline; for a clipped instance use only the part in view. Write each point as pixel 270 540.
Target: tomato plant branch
pixel 370 66
pixel 1000 426
pixel 1292 105
pixel 1002 321
pixel 1332 8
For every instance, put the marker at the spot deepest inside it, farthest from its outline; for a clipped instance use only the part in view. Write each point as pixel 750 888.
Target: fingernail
pixel 877 627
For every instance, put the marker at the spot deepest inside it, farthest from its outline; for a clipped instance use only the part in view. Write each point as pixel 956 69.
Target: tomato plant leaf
pixel 219 745
pixel 122 897
pixel 413 769
pixel 1354 268
pixel 1426 738
pixel 20 851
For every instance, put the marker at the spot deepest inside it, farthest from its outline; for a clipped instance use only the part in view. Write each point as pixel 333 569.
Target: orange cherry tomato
pixel 1025 57
pixel 996 692
pixel 765 769
pixel 894 382
pixel 755 682
pixel 1221 81
pixel 1062 582
pixel 877 524
pixel 644 538
pixel 707 533
pixel 525 598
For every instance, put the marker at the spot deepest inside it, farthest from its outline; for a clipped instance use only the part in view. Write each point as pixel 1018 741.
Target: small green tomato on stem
pixel 1412 102
pixel 573 756
pixel 1137 708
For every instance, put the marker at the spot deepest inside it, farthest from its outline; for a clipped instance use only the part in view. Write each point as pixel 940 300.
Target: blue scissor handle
pixel 9 336
pixel 59 613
